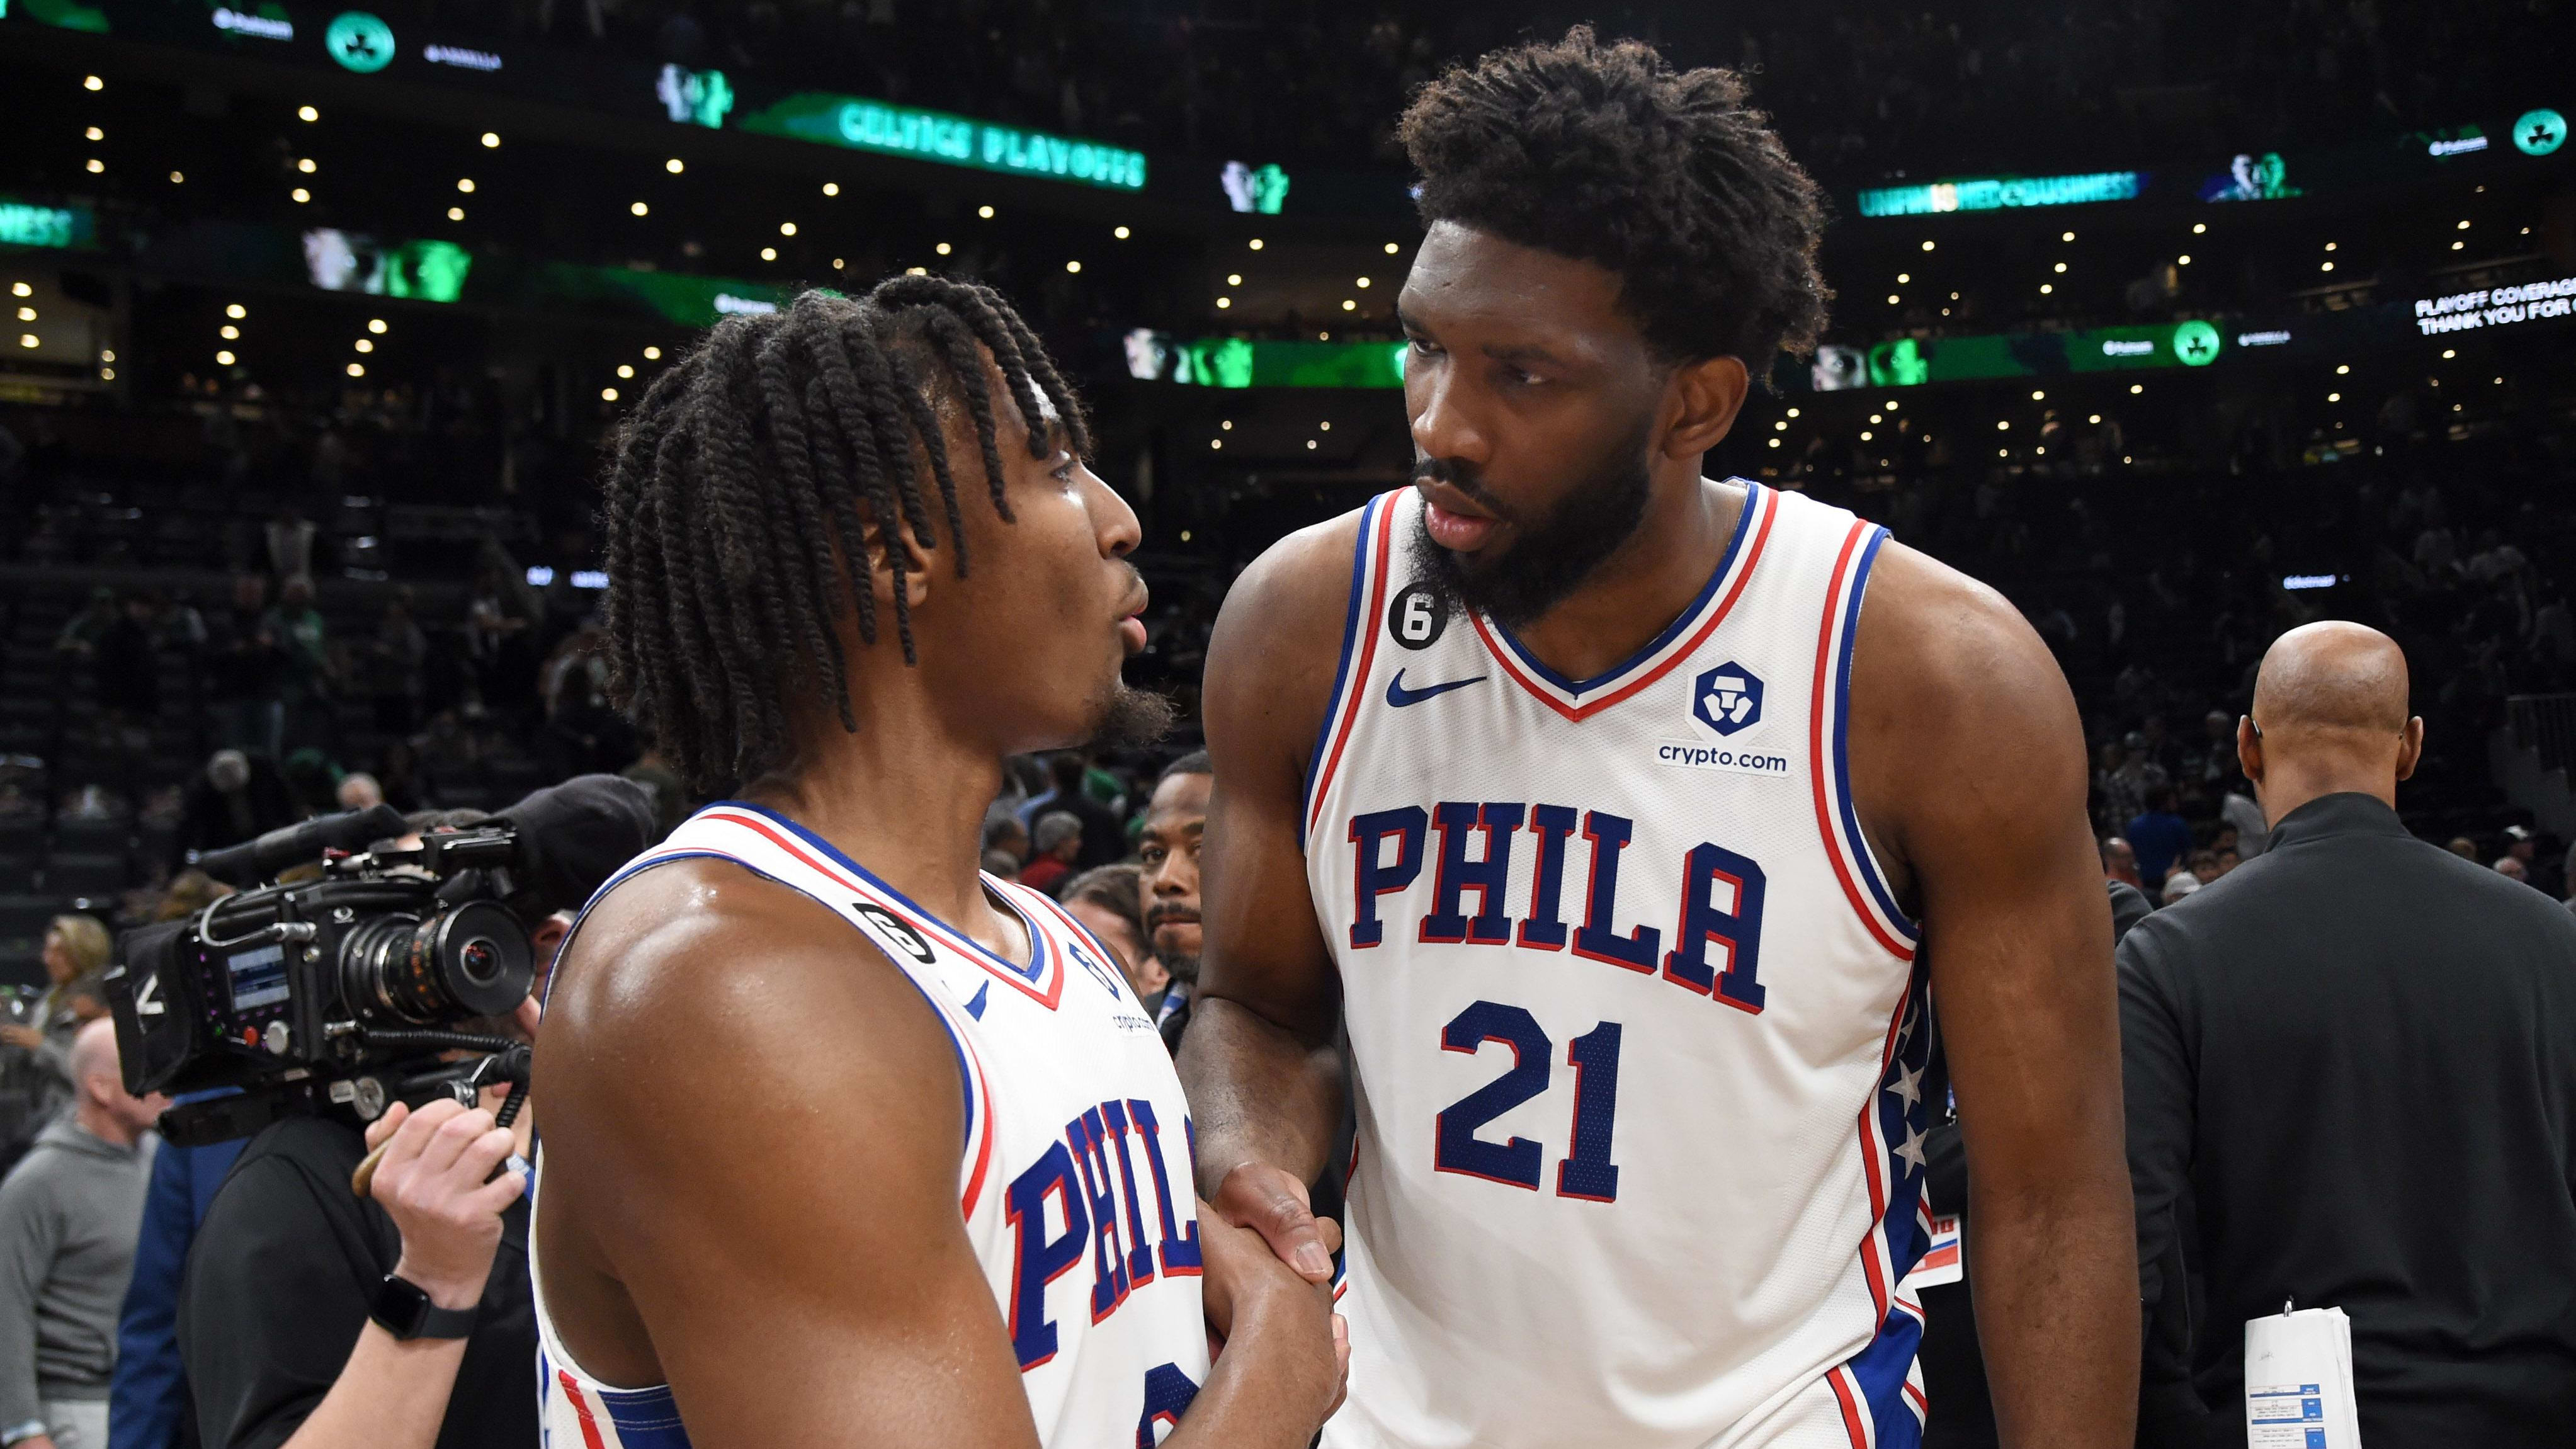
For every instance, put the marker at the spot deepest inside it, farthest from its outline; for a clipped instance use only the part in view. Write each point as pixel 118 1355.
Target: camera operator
pixel 315 1319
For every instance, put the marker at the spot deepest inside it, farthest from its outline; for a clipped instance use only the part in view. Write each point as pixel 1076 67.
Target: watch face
pixel 401 1307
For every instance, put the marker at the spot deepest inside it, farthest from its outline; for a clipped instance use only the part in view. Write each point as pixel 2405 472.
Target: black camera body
pixel 340 991
pixel 350 990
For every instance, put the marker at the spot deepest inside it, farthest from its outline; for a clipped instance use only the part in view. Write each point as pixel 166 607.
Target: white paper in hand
pixel 2298 1381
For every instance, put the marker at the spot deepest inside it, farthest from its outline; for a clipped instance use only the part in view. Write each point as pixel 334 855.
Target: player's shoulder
pixel 1300 583
pixel 701 948
pixel 1944 640
pixel 1278 640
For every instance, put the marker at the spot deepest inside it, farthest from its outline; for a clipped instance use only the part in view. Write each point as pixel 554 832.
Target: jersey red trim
pixel 1047 998
pixel 1371 620
pixel 1819 761
pixel 1852 1421
pixel 581 1410
pixel 1680 652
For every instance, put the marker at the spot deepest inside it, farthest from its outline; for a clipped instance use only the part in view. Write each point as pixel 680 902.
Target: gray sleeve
pixel 2156 1080
pixel 30 1233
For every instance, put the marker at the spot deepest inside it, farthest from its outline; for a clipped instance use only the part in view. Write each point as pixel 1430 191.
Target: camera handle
pixel 508 1061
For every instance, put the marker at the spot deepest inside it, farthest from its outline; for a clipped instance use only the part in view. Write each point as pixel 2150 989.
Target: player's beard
pixel 1551 560
pixel 1131 719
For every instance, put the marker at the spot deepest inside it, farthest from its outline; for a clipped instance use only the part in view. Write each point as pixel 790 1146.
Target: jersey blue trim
pixel 1033 973
pixel 645 1418
pixel 1341 671
pixel 1672 631
pixel 630 869
pixel 1860 852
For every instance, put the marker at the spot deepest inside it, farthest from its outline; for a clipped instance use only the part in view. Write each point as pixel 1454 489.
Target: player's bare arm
pixel 796 1102
pixel 1259 1062
pixel 1969 776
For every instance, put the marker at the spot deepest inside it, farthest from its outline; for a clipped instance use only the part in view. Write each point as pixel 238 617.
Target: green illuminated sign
pixel 26 225
pixel 1912 361
pixel 66 14
pixel 2195 343
pixel 686 300
pixel 1242 362
pixel 1994 193
pixel 360 42
pixel 1259 189
pixel 2540 132
pixel 694 97
pixel 924 135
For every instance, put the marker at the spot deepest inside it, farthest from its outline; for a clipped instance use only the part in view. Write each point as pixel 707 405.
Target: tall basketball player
pixel 1631 821
pixel 846 1143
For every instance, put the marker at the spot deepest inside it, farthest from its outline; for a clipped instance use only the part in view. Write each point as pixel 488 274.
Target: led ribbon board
pixel 24 224
pixel 1242 362
pixel 936 136
pixel 1997 193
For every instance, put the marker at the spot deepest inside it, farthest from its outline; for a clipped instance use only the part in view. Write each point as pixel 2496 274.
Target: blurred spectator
pixel 75 954
pixel 1058 841
pixel 359 791
pixel 245 664
pixel 128 673
pixel 2512 869
pixel 2237 809
pixel 2120 862
pixel 304 673
pixel 1002 865
pixel 496 643
pixel 395 658
pixel 289 537
pixel 2178 885
pixel 1104 834
pixel 190 891
pixel 1004 834
pixel 69 1213
pixel 2159 837
pixel 1175 826
pixel 148 1395
pixel 2465 848
pixel 1110 902
pixel 235 798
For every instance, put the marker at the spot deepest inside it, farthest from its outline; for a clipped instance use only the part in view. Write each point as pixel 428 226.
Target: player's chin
pixel 1127 718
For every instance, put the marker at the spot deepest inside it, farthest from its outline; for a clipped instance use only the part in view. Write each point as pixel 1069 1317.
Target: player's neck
pixel 1643 586
pixel 904 796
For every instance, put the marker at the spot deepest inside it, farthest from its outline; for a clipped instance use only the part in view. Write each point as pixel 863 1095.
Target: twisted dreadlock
pixel 745 465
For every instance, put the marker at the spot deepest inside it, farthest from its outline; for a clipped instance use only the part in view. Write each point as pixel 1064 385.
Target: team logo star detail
pixel 1908 1084
pixel 1911 1149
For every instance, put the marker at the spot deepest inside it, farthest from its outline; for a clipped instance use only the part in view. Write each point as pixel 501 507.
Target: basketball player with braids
pixel 845 1142
pixel 1631 822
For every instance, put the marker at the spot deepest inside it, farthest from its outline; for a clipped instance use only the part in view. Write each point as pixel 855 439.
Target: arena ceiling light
pixel 769 254
pixel 357 369
pixel 787 228
pixel 234 311
pixel 985 212
pixel 1119 232
pixel 626 369
pixel 490 140
pixel 639 209
pixel 307 113
pixel 364 345
pixel 92 83
pixel 465 184
pixel 1224 302
pixel 675 166
pixel 1255 244
pixel 1392 249
pixel 942 249
pixel 831 188
pixel 2184 260
pixel 96 166
pixel 456 213
pixel 306 166
pixel 1927 246
pixel 301 195
pixel 223 359
pixel 228 332
pixel 177 178
pixel 1904 277
pixel 95 134
pixel 1234 279
pixel 1072 266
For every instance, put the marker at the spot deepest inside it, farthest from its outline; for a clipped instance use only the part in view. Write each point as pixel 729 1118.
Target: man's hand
pixel 1248 1291
pixel 30 1038
pixel 435 1180
pixel 1272 1202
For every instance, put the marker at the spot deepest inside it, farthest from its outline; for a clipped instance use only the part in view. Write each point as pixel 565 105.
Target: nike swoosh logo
pixel 1397 696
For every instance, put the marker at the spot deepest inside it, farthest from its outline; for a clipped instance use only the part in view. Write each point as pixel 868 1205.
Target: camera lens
pixel 470 960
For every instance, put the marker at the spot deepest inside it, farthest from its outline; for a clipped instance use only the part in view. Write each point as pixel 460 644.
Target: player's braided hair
pixel 741 486
pixel 1605 153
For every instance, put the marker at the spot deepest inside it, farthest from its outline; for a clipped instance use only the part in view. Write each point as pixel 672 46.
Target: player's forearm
pixel 1270 1389
pixel 390 1395
pixel 1258 1093
pixel 2055 1270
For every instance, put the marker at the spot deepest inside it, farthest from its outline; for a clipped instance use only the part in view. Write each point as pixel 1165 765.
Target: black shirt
pixel 278 1286
pixel 2358 1053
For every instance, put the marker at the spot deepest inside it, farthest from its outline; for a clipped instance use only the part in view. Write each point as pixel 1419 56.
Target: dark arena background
pixel 2178 323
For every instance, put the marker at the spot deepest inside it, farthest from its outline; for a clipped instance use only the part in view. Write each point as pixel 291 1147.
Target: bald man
pixel 69 1215
pixel 2350 1063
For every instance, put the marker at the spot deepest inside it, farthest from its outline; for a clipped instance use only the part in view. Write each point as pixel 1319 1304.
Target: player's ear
pixel 1702 401
pixel 881 575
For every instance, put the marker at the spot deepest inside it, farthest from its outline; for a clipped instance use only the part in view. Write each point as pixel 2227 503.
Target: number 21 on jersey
pixel 1586 1170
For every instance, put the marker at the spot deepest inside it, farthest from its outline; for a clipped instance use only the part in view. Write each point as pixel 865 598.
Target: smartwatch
pixel 404 1311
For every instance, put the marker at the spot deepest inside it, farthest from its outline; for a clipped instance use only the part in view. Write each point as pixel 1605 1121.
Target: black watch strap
pixel 404 1310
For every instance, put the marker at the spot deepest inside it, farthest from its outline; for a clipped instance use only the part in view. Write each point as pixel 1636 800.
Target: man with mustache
pixel 1625 820
pixel 1175 824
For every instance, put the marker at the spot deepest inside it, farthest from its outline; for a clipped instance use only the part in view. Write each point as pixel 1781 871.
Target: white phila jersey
pixel 1638 1028
pixel 1074 1175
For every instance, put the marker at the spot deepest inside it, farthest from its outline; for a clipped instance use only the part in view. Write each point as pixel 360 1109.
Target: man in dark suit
pixel 2357 1055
